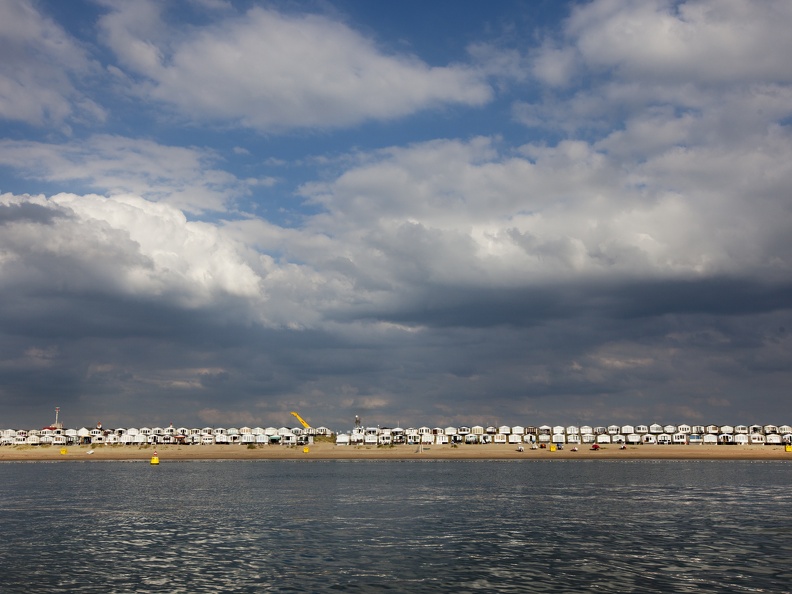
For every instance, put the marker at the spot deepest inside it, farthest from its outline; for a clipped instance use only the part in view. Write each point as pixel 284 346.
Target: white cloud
pixel 454 212
pixel 124 245
pixel 614 60
pixel 41 69
pixel 710 41
pixel 271 71
pixel 555 67
pixel 183 177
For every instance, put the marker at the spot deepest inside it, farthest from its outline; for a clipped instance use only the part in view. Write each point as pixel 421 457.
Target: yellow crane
pixel 302 421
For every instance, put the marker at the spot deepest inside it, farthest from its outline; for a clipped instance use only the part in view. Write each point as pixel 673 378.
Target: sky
pixel 215 212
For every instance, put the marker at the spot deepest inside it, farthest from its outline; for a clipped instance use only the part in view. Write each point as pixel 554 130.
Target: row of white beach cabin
pixel 159 435
pixel 620 434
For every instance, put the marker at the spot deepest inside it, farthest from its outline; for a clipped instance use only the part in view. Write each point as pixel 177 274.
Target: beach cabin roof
pixel 784 429
pixel 504 430
pixel 477 430
pixel 642 429
pixel 450 430
pixel 684 429
pixel 586 429
pixel 572 430
pixel 655 428
pixel 627 429
pixel 669 429
pixel 558 429
pixel 518 430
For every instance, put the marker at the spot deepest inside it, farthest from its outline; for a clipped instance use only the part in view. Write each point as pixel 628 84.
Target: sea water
pixel 371 526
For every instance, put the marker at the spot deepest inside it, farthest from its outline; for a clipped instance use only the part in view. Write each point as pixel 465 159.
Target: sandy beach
pixel 329 451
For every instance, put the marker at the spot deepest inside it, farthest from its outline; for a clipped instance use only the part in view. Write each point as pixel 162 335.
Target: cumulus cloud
pixel 613 60
pixel 123 245
pixel 41 70
pixel 463 212
pixel 709 41
pixel 273 71
pixel 182 176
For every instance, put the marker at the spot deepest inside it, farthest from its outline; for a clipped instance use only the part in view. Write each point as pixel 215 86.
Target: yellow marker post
pixel 63 451
pixel 552 447
pixel 306 450
pixel 788 448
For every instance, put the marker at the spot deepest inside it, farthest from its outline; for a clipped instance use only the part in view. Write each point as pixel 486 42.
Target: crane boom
pixel 302 421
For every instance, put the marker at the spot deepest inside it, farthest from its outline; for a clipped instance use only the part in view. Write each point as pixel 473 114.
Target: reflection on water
pixel 403 526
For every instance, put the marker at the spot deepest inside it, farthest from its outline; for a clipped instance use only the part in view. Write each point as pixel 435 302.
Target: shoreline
pixel 328 451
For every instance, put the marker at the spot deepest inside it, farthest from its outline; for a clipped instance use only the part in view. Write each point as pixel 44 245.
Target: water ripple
pixel 419 527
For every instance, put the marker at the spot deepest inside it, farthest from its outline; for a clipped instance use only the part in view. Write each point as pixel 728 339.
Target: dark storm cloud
pixel 482 307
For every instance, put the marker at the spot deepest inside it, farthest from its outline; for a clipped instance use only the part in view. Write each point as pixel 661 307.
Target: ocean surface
pixel 372 526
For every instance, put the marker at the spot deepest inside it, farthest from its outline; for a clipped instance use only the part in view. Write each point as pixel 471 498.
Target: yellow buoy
pixel 63 451
pixel 788 448
pixel 155 459
pixel 306 450
pixel 553 448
